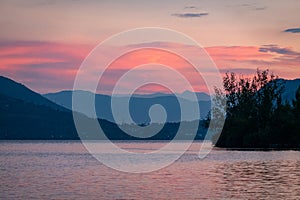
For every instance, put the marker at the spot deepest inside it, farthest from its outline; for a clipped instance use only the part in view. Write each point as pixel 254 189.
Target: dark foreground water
pixel 65 170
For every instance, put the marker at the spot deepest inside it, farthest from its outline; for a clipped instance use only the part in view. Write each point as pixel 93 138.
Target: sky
pixel 43 43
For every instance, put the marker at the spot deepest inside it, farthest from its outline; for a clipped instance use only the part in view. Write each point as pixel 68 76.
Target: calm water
pixel 65 170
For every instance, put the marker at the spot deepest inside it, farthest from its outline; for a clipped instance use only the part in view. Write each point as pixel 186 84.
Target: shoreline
pixel 148 141
pixel 255 149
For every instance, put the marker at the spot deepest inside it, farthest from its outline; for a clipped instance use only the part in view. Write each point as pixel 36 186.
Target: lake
pixel 66 170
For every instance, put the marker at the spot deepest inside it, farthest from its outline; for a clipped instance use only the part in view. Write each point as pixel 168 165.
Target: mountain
pixel 289 91
pixel 16 90
pixel 26 115
pixel 139 106
pixel 151 95
pixel 201 96
pixel 22 120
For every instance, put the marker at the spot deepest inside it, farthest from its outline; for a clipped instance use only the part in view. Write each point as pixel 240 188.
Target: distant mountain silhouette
pixel 20 120
pixel 139 105
pixel 23 120
pixel 290 87
pixel 25 114
pixel 201 96
pixel 16 90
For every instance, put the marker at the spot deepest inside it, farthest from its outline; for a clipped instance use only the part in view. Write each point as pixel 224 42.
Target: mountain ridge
pixel 139 106
pixel 11 88
pixel 31 118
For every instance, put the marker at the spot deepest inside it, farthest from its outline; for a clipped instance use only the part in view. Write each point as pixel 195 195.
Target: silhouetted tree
pixel 255 115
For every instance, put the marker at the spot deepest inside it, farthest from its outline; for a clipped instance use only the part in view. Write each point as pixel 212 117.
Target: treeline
pixel 256 116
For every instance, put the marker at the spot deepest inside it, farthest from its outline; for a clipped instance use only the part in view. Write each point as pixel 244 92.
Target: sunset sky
pixel 43 43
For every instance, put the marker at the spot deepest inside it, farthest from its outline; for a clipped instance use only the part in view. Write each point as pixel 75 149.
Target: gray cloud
pixel 260 8
pixel 245 5
pixel 250 6
pixel 279 50
pixel 292 30
pixel 190 7
pixel 189 15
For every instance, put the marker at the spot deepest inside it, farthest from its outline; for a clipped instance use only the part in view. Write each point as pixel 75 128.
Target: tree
pixel 296 103
pixel 251 105
pixel 296 120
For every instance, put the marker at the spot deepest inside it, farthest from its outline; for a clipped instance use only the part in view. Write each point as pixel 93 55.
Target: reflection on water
pixel 65 170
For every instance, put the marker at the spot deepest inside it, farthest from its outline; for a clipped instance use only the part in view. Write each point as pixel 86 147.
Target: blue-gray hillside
pixel 139 106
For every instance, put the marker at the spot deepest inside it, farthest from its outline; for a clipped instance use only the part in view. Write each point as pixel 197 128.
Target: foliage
pixel 256 116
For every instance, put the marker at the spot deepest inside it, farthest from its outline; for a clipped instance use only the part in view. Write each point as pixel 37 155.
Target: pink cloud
pixel 246 59
pixel 145 56
pixel 41 65
pixel 50 66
